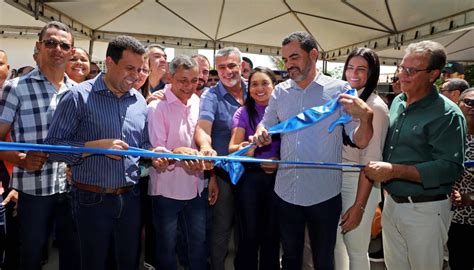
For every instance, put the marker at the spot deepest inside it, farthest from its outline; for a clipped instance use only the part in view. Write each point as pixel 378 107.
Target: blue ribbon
pixel 303 120
pixel 14 146
pixel 231 163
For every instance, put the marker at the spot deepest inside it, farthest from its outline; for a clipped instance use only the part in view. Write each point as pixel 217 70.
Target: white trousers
pixel 414 234
pixel 351 251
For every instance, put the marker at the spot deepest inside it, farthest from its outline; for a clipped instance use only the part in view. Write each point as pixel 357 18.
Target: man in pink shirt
pixel 175 186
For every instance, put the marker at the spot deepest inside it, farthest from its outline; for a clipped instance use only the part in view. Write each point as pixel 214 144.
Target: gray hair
pixel 183 61
pixel 305 39
pixel 435 50
pixel 228 51
pixel 456 84
pixel 465 92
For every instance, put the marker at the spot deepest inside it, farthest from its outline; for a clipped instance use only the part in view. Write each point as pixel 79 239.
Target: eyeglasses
pixel 468 102
pixel 53 44
pixel 395 79
pixel 410 71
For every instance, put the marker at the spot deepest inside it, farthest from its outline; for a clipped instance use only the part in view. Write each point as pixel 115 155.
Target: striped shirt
pixel 28 104
pixel 89 112
pixel 299 185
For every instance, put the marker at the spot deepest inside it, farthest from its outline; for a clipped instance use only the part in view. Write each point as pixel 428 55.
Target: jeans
pixel 103 219
pixel 322 220
pixel 37 214
pixel 258 221
pixel 192 213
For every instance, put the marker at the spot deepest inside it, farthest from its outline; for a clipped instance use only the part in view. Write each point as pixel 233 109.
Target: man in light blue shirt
pixel 310 195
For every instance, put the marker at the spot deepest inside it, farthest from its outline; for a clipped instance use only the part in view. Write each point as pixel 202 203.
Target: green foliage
pixel 277 62
pixel 469 74
pixel 336 72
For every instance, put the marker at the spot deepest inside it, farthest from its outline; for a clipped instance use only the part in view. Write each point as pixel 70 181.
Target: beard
pixel 201 84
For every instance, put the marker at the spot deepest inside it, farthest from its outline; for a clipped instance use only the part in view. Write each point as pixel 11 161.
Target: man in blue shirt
pixel 106 112
pixel 212 135
pixel 310 195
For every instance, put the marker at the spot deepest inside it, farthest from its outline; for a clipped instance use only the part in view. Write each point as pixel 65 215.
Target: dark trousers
pixel 257 205
pixel 181 245
pixel 223 217
pixel 460 255
pixel 322 221
pixel 104 220
pixel 192 214
pixel 146 221
pixel 37 214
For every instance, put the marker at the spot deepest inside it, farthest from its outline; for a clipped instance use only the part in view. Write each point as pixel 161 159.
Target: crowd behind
pixel 104 211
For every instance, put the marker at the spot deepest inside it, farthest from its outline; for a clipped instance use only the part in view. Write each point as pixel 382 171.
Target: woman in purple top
pixel 255 198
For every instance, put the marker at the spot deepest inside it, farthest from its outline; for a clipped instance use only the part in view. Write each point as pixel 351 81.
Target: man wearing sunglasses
pixel 423 156
pixel 453 88
pixel 26 108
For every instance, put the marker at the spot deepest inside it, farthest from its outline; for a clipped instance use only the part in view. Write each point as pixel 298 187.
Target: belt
pixel 419 199
pixel 96 189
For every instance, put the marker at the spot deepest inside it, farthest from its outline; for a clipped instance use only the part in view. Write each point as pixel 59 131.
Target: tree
pixel 277 62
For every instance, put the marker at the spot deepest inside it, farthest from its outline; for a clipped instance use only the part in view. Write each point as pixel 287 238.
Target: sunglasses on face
pixel 53 44
pixel 468 102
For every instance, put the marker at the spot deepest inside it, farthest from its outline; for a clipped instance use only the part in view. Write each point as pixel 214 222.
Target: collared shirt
pixel 241 120
pixel 299 185
pixel 172 125
pixel 218 106
pixel 89 112
pixel 28 104
pixel 428 134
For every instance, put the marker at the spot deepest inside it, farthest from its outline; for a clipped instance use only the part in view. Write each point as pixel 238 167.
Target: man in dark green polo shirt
pixel 423 157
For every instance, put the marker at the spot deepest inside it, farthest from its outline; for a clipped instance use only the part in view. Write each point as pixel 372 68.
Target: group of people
pixel 101 204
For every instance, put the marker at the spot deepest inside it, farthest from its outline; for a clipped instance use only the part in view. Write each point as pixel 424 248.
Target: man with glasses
pixel 423 156
pixel 106 112
pixel 453 88
pixel 26 109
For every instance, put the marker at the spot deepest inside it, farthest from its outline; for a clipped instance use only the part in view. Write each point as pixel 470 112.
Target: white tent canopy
pixel 258 26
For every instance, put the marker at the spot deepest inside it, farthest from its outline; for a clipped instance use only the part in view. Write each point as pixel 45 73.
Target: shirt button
pixel 403 114
pixel 391 147
pixel 396 130
pixel 298 143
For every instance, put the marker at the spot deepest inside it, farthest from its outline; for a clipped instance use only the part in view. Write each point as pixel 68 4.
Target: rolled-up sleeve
pixel 9 102
pixel 208 106
pixel 447 138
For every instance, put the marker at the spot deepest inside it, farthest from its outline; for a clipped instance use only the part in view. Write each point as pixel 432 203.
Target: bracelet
pixel 361 207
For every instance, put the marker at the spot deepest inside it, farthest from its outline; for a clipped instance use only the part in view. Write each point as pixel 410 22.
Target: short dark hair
pixel 456 84
pixel 121 43
pixel 58 25
pixel 213 72
pixel 373 72
pixel 246 59
pixel 305 39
